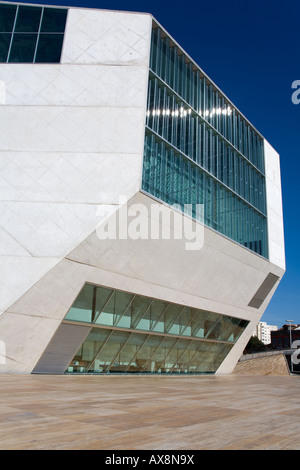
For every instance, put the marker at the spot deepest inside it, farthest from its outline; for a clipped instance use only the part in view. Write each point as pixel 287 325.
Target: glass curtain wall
pixel 171 177
pixel 169 63
pixel 199 149
pixel 133 333
pixel 31 34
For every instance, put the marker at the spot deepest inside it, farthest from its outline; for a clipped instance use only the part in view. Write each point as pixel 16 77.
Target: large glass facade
pixel 133 333
pixel 200 150
pixel 30 34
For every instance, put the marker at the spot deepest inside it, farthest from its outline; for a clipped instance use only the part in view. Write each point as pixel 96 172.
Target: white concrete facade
pixel 274 205
pixel 72 144
pixel 65 128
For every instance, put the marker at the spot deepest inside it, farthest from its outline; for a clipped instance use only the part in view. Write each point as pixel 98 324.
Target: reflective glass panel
pixel 107 315
pixel 107 358
pixel 123 302
pixel 4 46
pixel 49 48
pixel 173 352
pixel 37 33
pixel 176 339
pixel 7 18
pixel 54 20
pixel 181 356
pixel 146 356
pixel 172 319
pixel 112 351
pixel 135 345
pixel 170 177
pixel 114 311
pixel 81 309
pixel 85 356
pixel 102 297
pixel 23 48
pixel 212 326
pixel 229 328
pixel 241 325
pixel 211 356
pixel 141 313
pixel 28 19
pixel 106 350
pixel 200 125
pixel 106 306
pixel 129 352
pixel 185 320
pixel 163 357
pixel 195 355
pixel 203 357
pixel 157 311
pixel 197 324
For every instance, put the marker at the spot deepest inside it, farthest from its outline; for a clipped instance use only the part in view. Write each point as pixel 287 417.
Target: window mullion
pixel 12 33
pixel 38 35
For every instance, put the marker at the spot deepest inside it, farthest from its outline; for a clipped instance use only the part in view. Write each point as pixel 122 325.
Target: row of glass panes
pixel 174 179
pixel 108 307
pixel 176 123
pixel 109 351
pixel 168 62
pixel 30 48
pixel 31 34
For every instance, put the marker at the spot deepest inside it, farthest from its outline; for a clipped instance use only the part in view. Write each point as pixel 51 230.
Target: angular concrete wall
pixel 71 145
pixel 221 277
pixel 71 142
pixel 274 206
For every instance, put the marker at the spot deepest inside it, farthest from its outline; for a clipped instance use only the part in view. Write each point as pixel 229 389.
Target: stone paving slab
pixel 149 412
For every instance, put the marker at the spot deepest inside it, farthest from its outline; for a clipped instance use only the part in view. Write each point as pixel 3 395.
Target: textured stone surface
pixel 149 413
pixel 270 365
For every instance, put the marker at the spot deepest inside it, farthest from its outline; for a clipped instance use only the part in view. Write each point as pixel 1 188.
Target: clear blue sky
pixel 251 50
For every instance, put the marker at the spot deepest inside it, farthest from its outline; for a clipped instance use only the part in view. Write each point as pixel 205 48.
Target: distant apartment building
pixel 263 332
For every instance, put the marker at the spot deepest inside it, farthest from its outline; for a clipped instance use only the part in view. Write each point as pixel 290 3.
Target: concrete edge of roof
pixel 156 22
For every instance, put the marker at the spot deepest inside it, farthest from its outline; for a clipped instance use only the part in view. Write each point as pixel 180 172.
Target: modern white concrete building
pixel 104 119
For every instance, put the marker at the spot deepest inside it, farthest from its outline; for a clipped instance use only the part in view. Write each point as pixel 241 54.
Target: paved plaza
pixel 149 412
